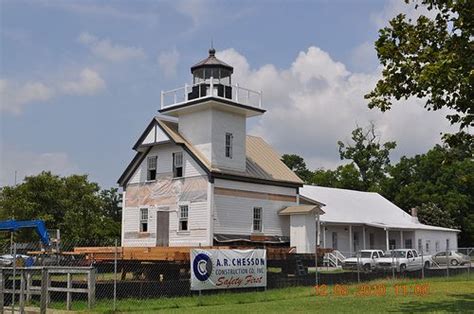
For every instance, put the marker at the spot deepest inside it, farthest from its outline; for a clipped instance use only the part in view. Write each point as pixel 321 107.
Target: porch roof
pixel 300 209
pixel 363 208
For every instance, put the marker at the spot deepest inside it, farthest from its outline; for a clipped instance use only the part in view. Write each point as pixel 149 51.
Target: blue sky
pixel 80 80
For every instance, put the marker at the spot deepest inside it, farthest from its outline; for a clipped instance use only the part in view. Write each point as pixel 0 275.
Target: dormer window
pixel 177 165
pixel 228 144
pixel 151 168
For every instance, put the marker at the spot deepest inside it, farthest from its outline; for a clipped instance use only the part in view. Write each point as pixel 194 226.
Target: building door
pixel 334 240
pixel 162 228
pixel 372 240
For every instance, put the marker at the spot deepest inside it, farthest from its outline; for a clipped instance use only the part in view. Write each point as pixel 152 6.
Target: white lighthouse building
pixel 198 179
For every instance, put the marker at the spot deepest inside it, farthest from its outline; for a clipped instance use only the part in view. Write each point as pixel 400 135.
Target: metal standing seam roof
pixel 262 161
pixel 367 208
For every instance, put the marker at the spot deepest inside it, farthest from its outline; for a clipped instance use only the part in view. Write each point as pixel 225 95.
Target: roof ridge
pixel 348 190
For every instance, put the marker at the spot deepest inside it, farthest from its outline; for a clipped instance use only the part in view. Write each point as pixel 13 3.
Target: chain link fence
pixel 69 276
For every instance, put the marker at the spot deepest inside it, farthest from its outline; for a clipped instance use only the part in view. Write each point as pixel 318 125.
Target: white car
pixel 367 260
pixel 7 260
pixel 403 260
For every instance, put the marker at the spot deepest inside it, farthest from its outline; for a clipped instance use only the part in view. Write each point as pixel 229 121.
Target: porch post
pixel 350 240
pixel 363 237
pixel 402 245
pixel 386 239
pixel 318 230
pixel 324 235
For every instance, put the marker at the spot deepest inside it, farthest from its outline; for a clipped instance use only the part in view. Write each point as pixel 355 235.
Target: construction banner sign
pixel 228 269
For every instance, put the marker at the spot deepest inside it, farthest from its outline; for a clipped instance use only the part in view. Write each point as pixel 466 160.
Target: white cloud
pixel 14 96
pixel 168 61
pixel 31 163
pixel 395 7
pixel 317 101
pixel 89 83
pixel 105 49
pixel 364 57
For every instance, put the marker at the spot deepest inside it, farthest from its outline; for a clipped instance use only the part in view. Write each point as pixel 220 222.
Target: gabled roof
pixel 263 164
pixel 367 208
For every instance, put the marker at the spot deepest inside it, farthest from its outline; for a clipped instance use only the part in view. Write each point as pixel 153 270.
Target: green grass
pixel 453 295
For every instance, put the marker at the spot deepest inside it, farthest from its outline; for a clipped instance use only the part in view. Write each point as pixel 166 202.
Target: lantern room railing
pixel 201 90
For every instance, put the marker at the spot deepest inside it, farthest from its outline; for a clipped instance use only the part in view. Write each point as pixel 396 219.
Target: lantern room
pixel 211 76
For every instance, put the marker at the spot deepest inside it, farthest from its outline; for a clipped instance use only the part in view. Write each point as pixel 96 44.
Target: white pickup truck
pixel 403 260
pixel 367 260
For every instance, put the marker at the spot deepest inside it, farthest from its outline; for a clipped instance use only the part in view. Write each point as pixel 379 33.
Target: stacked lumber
pixel 170 254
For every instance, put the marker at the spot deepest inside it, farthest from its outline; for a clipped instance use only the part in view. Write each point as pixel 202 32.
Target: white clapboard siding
pixel 433 236
pixel 233 215
pixel 132 224
pixel 254 187
pixel 197 234
pixel 165 163
pixel 198 222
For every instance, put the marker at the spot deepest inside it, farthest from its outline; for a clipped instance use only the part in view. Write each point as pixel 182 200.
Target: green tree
pixel 429 58
pixel 344 177
pixel 72 204
pixel 297 164
pixel 369 156
pixel 432 214
pixel 443 177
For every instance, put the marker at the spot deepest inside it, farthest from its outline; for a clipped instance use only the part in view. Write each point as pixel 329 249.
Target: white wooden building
pixel 355 220
pixel 198 179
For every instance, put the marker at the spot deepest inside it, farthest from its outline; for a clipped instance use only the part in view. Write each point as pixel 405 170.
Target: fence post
pixel 44 290
pixel 29 283
pixel 21 297
pixel 447 263
pixel 2 289
pixel 393 265
pixel 68 293
pixel 91 288
pixel 422 266
pixel 48 285
pixel 14 278
pixel 316 263
pixel 115 277
pixel 358 268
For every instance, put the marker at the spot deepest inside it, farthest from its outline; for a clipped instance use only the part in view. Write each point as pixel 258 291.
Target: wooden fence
pixel 29 275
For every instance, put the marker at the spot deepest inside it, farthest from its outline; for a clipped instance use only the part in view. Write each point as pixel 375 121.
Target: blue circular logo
pixel 202 267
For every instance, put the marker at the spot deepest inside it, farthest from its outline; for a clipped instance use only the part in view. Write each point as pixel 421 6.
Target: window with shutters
pixel 177 165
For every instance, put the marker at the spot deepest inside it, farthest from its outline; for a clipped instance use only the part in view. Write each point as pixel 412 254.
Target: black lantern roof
pixel 211 62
